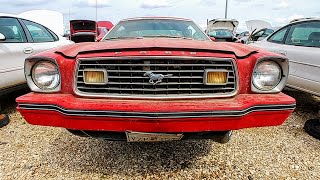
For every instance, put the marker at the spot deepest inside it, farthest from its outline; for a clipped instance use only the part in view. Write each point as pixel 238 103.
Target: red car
pixel 103 27
pixel 83 31
pixel 156 79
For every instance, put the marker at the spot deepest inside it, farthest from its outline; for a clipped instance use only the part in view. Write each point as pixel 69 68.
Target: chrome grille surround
pixel 126 78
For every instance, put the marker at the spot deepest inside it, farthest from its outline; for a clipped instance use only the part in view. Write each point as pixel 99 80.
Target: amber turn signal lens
pixel 216 77
pixel 95 77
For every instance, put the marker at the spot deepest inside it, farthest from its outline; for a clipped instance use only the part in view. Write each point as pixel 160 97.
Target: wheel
pixel 226 138
pixel 4 120
pixel 312 127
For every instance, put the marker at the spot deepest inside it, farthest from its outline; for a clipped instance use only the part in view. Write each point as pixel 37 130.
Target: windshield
pixel 268 32
pixel 220 33
pixel 156 28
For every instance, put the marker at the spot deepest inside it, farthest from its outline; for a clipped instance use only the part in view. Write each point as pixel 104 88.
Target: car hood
pixel 230 24
pixel 239 50
pixel 256 25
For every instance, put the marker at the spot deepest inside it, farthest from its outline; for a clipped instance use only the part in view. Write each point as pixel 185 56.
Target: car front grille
pixel 126 77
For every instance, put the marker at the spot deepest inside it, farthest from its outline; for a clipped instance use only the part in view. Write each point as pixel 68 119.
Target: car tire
pixel 4 120
pixel 226 138
pixel 312 127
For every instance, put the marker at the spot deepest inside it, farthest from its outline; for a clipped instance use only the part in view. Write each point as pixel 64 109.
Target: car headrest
pixel 314 36
pixel 7 32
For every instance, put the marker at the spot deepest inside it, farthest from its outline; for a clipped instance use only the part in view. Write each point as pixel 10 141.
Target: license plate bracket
pixel 151 137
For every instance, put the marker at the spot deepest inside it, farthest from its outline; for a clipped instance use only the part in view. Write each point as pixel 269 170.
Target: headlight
pixel 45 75
pixel 266 75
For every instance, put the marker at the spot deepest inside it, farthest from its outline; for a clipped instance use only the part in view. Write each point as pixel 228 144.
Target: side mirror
pixel 212 38
pixel 2 37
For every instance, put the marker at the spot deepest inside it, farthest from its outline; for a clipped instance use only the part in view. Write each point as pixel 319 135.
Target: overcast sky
pixel 277 12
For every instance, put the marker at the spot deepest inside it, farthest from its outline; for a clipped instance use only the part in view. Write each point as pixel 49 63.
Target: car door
pixel 302 47
pixel 43 38
pixel 13 51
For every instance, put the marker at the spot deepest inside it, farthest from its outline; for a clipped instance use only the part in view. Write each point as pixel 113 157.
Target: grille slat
pixel 148 84
pixel 126 77
pixel 154 90
pixel 141 77
pixel 190 65
pixel 158 71
pixel 155 71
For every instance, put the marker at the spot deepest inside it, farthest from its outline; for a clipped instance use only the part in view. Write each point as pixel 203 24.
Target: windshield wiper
pixel 121 37
pixel 147 36
pixel 165 36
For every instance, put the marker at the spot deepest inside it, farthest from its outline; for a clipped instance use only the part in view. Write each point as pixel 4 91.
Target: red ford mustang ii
pixel 156 79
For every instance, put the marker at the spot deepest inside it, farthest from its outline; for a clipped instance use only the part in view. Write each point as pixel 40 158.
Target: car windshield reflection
pixel 156 28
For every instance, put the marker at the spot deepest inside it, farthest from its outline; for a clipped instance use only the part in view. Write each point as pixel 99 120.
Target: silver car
pixel 299 41
pixel 20 38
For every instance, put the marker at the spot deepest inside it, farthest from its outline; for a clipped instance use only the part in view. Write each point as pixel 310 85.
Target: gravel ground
pixel 283 152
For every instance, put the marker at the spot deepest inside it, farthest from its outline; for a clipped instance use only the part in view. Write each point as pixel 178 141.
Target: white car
pixel 299 41
pixel 258 30
pixel 222 29
pixel 20 38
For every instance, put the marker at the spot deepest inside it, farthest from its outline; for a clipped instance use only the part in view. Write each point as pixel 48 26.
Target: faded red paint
pixel 101 25
pixel 245 57
pixel 106 24
pixel 240 102
pixel 256 119
pixel 156 43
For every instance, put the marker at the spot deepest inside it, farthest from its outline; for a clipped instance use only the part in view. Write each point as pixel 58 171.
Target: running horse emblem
pixel 155 78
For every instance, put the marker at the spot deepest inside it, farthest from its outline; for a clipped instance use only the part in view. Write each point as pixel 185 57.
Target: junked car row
pixel 160 78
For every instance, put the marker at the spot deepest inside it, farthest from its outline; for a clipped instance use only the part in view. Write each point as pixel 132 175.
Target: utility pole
pixel 226 11
pixel 96 10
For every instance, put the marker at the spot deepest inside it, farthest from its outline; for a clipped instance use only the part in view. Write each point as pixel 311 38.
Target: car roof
pixel 9 15
pixel 16 16
pixel 304 20
pixel 224 20
pixel 156 17
pixel 74 20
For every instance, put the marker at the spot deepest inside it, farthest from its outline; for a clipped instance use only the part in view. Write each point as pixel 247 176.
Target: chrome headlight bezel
pixel 30 64
pixel 283 64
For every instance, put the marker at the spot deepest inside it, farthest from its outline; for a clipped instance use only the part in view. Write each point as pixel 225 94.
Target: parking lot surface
pixel 282 152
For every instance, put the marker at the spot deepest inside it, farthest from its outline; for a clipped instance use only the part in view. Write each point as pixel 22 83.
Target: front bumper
pixel 197 115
